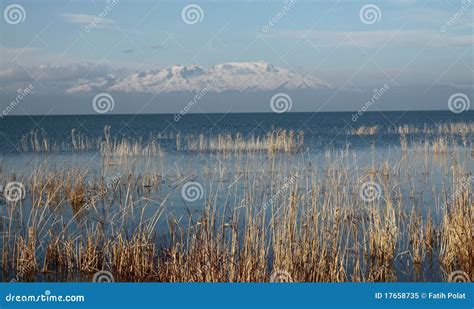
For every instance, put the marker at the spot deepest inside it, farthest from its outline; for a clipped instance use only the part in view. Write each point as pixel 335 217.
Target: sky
pixel 422 49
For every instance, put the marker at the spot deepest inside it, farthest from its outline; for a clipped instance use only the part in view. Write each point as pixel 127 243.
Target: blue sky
pixel 326 39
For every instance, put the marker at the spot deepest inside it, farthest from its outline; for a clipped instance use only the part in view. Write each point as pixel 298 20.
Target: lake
pixel 236 197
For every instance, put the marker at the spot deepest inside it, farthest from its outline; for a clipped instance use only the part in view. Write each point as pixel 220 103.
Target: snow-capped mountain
pixel 232 76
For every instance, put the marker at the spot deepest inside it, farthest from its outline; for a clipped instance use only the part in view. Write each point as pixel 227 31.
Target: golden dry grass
pixel 316 228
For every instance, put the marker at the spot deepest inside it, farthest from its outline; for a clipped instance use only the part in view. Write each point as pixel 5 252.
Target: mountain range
pixel 245 77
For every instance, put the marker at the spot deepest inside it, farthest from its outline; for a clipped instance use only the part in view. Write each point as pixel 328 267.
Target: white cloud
pixel 89 77
pixel 84 19
pixel 376 39
pixel 48 72
pixel 90 85
pixel 56 78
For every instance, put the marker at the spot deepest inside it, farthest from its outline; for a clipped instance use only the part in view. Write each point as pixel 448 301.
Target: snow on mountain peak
pixel 231 76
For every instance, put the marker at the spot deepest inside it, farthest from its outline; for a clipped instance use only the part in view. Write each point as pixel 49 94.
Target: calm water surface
pixel 326 141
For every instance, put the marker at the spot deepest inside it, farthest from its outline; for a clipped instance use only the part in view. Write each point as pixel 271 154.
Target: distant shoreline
pixel 249 113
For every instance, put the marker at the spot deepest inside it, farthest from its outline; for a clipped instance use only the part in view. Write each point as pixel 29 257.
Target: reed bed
pixel 258 214
pixel 277 140
pixel 458 128
pixel 462 129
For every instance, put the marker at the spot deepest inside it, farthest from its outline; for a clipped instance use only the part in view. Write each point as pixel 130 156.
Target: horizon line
pixel 223 113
